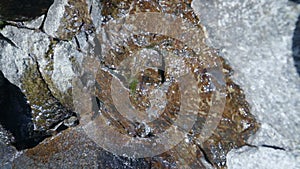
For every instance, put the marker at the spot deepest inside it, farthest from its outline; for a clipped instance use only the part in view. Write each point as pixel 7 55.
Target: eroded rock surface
pixel 43 57
pixel 236 124
pixel 45 73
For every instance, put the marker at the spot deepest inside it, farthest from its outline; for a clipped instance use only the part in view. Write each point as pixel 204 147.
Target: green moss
pixel 49 55
pixel 50 52
pixel 37 93
pixel 46 109
pixel 133 85
pixel 2 24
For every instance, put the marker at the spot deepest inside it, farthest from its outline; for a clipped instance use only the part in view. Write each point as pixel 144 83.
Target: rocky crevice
pixel 39 95
pixel 50 112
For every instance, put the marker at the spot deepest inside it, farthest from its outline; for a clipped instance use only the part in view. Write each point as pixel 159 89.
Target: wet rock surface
pixel 46 58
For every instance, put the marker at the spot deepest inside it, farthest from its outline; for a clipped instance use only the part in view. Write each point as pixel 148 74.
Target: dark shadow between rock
pixel 15 115
pixel 296 42
pixel 296 1
pixel 23 10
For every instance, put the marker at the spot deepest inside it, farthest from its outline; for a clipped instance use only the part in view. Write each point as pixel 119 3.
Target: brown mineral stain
pixel 76 18
pixel 44 151
pixel 237 123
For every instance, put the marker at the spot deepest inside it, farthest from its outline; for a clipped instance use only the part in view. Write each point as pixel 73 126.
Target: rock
pixel 116 47
pixel 15 116
pixel 66 148
pixel 31 66
pixel 94 9
pixel 45 72
pixel 28 59
pixel 73 148
pixel 5 136
pixel 17 53
pixel 264 157
pixel 36 23
pixel 7 154
pixel 47 111
pixel 55 64
pixel 255 38
pixel 56 13
pixel 67 18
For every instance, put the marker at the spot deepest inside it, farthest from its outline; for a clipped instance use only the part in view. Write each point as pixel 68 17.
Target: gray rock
pixel 67 18
pixel 255 38
pixel 35 24
pixel 55 59
pixel 62 65
pixel 262 157
pixel 28 44
pixel 12 62
pixel 55 15
pixel 95 7
pixel 7 154
pixel 25 47
pixel 67 62
pixel 5 136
